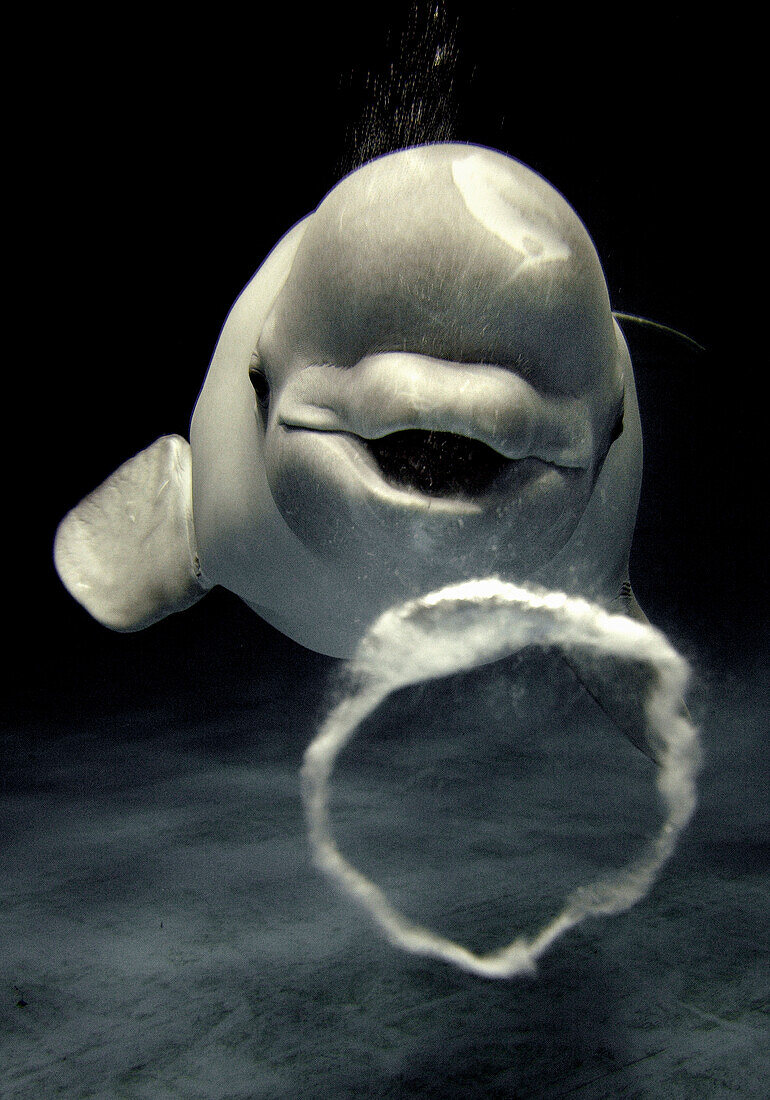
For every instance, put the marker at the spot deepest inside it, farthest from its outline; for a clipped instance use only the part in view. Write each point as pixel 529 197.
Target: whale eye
pixel 259 381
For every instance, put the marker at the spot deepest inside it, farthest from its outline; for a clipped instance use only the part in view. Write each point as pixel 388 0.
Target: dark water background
pixel 162 933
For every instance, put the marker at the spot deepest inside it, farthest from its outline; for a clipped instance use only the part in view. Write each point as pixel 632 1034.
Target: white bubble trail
pixel 461 627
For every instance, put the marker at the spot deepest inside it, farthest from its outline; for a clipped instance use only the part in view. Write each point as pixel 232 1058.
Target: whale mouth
pixel 440 464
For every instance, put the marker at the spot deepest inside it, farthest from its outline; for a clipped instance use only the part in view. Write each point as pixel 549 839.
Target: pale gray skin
pixel 446 287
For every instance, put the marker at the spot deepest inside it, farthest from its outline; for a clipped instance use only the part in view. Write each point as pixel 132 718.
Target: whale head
pixel 422 384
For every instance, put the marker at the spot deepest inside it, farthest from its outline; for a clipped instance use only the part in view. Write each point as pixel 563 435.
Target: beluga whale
pixel 417 447
pixel 423 383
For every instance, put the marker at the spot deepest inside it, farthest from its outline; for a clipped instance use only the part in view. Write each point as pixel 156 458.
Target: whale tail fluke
pixel 127 552
pixel 657 327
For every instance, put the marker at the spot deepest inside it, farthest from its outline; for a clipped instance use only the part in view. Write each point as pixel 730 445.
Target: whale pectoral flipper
pixel 619 687
pixel 127 552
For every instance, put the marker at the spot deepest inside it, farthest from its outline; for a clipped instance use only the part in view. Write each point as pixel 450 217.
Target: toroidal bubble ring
pixel 490 620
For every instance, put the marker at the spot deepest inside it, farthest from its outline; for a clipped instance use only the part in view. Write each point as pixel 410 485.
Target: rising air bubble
pixel 465 626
